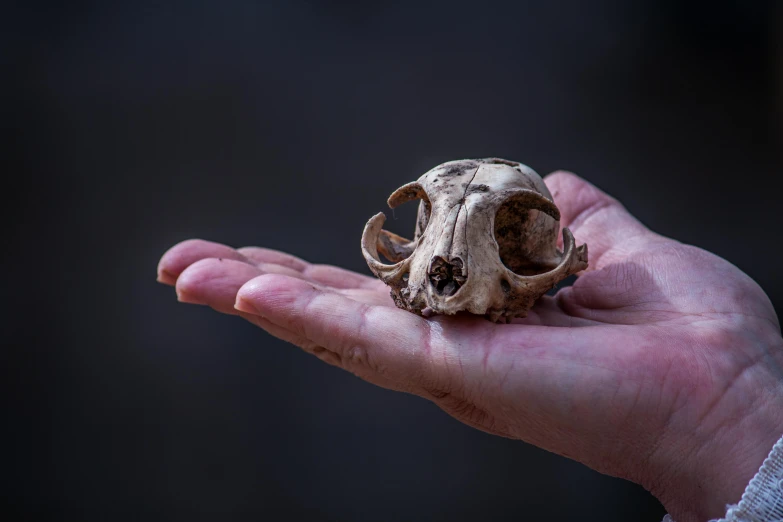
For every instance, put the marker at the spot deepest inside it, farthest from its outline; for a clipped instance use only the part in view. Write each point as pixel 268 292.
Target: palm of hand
pixel 648 359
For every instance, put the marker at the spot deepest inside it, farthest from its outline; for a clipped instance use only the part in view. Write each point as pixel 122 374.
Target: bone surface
pixel 485 242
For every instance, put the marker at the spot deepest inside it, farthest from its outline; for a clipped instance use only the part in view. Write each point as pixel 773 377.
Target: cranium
pixel 485 242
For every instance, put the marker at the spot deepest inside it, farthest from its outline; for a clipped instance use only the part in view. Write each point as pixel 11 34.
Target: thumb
pixel 595 218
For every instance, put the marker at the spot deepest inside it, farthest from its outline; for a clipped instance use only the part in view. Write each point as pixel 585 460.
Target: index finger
pixel 383 345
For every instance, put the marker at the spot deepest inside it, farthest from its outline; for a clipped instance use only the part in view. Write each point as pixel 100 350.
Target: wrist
pixel 729 467
pixel 711 465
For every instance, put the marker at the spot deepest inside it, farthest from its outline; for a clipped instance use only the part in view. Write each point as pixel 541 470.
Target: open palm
pixel 661 364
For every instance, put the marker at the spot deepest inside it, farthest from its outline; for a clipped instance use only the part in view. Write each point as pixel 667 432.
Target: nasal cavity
pixel 446 277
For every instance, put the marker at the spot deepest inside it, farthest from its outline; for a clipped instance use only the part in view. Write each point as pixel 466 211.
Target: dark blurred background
pixel 128 127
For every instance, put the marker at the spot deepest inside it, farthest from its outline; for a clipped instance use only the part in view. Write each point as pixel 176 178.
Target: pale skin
pixel 662 364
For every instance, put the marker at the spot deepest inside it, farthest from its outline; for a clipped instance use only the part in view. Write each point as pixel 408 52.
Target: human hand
pixel 662 364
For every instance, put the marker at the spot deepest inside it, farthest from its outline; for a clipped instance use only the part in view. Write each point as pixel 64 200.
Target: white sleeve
pixel 763 498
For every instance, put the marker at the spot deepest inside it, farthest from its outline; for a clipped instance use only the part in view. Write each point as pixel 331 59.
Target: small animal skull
pixel 485 242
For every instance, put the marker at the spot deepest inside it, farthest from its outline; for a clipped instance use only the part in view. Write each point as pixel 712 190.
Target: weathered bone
pixel 530 199
pixel 407 193
pixel 389 274
pixel 393 247
pixel 454 262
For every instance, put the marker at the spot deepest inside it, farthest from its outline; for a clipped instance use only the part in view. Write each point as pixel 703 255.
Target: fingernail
pixel 243 305
pixel 184 297
pixel 167 278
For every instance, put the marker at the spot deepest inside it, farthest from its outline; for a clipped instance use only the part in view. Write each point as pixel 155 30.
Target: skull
pixel 485 242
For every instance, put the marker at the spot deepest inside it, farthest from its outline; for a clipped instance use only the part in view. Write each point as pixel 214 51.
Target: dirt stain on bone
pixel 459 168
pixel 472 189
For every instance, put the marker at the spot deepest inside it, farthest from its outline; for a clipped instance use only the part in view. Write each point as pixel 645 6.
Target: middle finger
pixel 215 282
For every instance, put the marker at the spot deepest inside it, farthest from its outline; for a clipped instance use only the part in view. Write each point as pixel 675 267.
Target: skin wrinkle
pixel 776 363
pixel 749 365
pixel 622 274
pixel 464 410
pixel 492 427
pixel 445 362
pixel 635 401
pixel 561 301
pixel 650 458
pixel 361 328
pixel 450 360
pixel 578 364
pixel 571 307
pixel 741 288
pixel 435 338
pixel 670 380
pixel 306 309
pixel 362 314
pixel 354 356
pixel 505 404
pixel 461 369
pixel 751 316
pixel 627 417
pixel 485 358
pixel 698 449
pixel 678 402
pixel 489 341
pixel 357 353
pixel 329 357
pixel 707 363
pixel 504 378
pixel 427 338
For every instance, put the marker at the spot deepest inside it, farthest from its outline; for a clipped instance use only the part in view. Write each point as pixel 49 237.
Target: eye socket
pixel 396 248
pixel 411 192
pixel 423 217
pixel 511 231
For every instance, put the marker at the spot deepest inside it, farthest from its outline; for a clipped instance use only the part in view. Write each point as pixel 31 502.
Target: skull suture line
pixel 485 241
